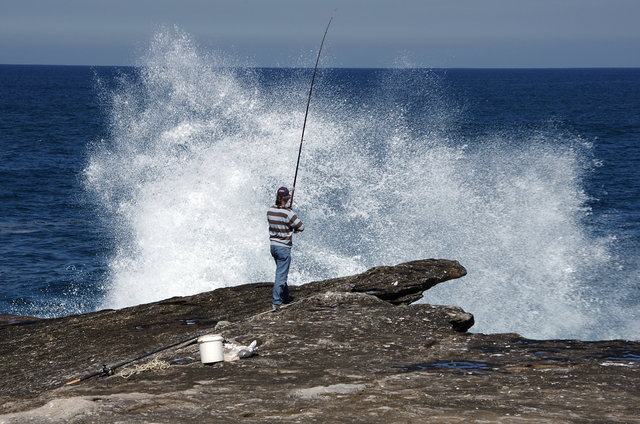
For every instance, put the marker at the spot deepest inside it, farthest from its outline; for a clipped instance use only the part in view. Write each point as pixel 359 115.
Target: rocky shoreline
pixel 352 349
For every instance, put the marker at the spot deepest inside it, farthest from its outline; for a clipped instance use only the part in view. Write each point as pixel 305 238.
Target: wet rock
pixel 346 351
pixel 6 319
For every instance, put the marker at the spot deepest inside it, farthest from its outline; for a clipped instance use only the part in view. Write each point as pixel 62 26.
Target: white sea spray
pixel 196 150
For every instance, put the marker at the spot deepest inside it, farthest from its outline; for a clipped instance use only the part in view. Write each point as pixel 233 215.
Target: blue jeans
pixel 282 256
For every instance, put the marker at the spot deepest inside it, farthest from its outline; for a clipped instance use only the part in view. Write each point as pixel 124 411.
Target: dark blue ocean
pixel 128 185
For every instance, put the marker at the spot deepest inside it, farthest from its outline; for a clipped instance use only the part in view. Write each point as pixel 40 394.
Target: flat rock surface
pixel 347 350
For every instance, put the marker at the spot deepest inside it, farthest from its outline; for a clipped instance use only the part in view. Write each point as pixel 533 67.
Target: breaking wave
pixel 197 147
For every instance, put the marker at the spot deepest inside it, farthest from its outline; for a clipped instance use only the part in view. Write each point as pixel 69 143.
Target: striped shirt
pixel 283 222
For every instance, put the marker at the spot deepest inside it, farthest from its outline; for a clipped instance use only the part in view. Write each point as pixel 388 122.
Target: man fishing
pixel 283 223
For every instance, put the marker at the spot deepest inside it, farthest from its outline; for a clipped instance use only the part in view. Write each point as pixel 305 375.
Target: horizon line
pixel 349 67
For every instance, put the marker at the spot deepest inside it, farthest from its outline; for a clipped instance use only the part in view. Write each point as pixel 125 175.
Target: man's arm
pixel 296 224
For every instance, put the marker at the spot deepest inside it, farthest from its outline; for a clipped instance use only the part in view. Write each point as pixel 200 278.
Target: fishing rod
pixel 109 370
pixel 306 113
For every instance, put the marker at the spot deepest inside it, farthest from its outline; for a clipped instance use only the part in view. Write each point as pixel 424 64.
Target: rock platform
pixel 347 350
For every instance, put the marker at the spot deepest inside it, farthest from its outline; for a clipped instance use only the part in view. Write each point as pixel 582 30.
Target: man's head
pixel 282 195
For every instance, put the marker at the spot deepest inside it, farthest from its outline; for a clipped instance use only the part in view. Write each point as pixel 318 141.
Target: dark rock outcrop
pixel 400 284
pixel 348 350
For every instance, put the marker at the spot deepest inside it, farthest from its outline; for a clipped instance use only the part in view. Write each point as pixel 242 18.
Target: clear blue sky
pixel 364 33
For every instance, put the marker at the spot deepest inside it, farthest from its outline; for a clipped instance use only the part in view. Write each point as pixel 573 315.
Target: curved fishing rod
pixel 306 113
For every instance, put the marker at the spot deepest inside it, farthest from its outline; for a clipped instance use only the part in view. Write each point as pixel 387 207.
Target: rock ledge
pixel 350 349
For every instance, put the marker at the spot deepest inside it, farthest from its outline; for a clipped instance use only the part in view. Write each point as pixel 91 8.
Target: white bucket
pixel 211 348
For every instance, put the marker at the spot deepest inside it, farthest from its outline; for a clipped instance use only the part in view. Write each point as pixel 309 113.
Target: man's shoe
pixel 275 308
pixel 288 300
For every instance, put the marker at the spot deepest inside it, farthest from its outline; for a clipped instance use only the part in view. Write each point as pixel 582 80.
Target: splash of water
pixel 196 150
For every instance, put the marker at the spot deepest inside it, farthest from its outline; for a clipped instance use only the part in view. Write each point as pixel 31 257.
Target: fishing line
pixel 306 113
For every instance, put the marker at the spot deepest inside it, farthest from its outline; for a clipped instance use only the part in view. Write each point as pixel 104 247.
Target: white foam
pixel 196 152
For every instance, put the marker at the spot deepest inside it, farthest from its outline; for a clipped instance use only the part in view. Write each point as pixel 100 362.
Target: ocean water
pixel 121 186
